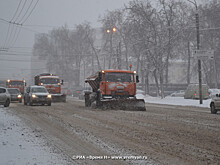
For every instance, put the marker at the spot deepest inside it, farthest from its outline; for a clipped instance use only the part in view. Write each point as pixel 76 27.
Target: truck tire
pixel 30 103
pixel 25 102
pixel 213 110
pixel 87 100
pixel 49 104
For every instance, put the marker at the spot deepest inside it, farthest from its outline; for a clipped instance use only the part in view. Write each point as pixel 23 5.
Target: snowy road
pixel 20 145
pixel 164 134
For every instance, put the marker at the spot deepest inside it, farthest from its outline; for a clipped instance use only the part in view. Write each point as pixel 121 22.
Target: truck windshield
pixel 16 83
pixel 38 90
pixel 49 81
pixel 118 77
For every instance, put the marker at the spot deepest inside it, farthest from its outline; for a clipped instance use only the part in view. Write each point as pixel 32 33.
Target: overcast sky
pixel 47 12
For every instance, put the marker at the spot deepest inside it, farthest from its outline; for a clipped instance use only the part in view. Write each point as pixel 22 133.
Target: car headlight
pixel 19 96
pixel 49 96
pixel 34 96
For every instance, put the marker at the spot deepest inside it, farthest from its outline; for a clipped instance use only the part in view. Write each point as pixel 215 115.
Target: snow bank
pixel 174 101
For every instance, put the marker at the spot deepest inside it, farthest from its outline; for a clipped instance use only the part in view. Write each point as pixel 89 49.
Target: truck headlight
pixel 19 96
pixel 49 96
pixel 34 96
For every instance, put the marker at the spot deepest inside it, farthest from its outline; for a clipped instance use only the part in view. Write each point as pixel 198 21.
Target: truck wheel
pixel 25 103
pixel 7 103
pixel 87 100
pixel 213 110
pixel 49 104
pixel 30 103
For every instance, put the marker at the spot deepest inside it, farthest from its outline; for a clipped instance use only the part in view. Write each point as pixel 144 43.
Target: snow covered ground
pixel 174 101
pixel 19 145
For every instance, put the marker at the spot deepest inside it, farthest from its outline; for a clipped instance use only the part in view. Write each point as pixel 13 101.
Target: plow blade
pixel 58 98
pixel 124 104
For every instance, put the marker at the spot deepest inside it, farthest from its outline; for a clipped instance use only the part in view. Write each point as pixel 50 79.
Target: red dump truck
pixel 52 84
pixel 114 89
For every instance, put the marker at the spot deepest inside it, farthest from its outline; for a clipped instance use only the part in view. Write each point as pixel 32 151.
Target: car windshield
pixel 118 77
pixel 2 90
pixel 13 91
pixel 16 83
pixel 49 80
pixel 39 90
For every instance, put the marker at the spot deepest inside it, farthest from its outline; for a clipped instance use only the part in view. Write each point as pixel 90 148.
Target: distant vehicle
pixel 15 94
pixel 82 93
pixel 53 85
pixel 192 91
pixel 215 104
pixel 213 92
pixel 37 94
pixel 20 84
pixel 5 98
pixel 179 93
pixel 76 91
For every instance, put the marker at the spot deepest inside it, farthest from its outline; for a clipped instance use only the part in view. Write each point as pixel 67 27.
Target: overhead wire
pixel 16 10
pixel 26 11
pixel 12 31
pixel 30 12
pixel 21 11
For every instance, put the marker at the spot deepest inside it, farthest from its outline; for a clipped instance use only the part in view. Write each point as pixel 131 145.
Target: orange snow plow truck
pixel 53 85
pixel 114 89
pixel 16 84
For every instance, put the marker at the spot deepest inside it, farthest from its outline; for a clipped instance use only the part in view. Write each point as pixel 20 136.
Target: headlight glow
pixel 19 96
pixel 48 96
pixel 34 96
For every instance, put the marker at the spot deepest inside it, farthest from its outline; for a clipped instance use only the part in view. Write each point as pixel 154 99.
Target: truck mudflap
pixel 123 104
pixel 58 98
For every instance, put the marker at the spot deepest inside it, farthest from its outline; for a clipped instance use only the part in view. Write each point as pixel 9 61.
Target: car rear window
pixel 13 91
pixel 2 90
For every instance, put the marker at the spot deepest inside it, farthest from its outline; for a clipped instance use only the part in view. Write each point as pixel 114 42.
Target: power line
pixel 21 10
pixel 19 60
pixel 16 10
pixel 31 12
pixel 26 11
pixel 11 54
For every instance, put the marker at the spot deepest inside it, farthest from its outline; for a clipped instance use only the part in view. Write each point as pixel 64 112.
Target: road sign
pixel 204 54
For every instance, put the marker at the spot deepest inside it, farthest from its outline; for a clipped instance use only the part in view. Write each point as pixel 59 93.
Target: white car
pixel 215 104
pixel 5 98
pixel 213 92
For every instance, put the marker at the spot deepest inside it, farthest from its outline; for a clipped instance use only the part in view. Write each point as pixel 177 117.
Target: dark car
pixel 15 94
pixel 5 97
pixel 37 95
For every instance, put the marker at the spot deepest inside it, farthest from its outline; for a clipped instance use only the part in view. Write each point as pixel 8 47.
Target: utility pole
pixel 199 60
pixel 198 43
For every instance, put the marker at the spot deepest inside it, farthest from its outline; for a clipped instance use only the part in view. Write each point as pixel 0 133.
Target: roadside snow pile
pixel 20 145
pixel 174 101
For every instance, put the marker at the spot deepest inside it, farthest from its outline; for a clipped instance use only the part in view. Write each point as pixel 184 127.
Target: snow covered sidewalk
pixel 19 145
pixel 174 101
